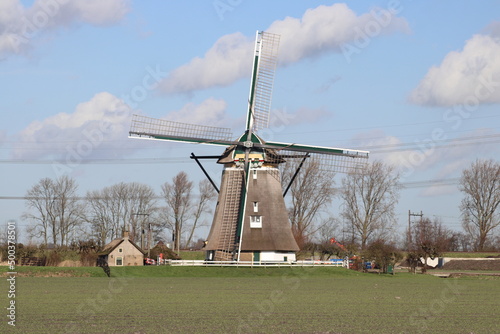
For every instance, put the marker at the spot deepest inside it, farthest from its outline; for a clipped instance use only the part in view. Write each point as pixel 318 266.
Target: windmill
pixel 251 220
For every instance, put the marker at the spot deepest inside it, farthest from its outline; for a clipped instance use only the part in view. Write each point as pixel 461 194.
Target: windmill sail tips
pixel 265 60
pixel 146 127
pixel 329 163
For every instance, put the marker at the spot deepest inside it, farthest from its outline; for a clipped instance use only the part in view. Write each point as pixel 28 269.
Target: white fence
pixel 202 263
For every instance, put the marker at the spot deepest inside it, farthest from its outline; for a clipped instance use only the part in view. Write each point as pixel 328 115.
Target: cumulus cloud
pixel 93 129
pixel 228 60
pixel 470 76
pixel 209 112
pixel 20 25
pixel 493 29
pixel 383 147
pixel 441 156
pixel 331 28
pixel 320 30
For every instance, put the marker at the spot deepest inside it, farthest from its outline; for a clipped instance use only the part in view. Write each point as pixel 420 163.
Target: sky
pixel 416 83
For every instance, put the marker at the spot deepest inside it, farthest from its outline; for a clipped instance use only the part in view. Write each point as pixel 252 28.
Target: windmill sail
pixel 328 159
pixel 153 128
pixel 261 87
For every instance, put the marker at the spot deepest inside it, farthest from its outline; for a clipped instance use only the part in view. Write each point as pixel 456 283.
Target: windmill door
pixel 256 256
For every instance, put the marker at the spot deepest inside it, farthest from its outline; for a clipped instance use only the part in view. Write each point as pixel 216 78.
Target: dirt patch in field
pixel 48 274
pixel 472 265
pixel 70 263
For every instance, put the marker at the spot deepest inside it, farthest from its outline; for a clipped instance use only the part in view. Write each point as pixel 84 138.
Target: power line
pixel 415 184
pixel 429 183
pixel 386 148
pixel 383 126
pixel 435 144
pixel 171 160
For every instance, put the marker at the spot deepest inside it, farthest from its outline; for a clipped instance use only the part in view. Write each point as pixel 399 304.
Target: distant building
pixel 122 252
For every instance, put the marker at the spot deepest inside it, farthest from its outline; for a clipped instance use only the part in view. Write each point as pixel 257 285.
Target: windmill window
pixel 255 221
pixel 255 206
pixel 120 250
pixel 119 261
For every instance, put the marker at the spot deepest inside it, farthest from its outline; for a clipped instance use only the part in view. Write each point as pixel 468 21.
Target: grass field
pixel 469 254
pixel 249 300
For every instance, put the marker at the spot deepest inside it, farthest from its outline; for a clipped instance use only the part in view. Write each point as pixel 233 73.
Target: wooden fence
pixel 203 263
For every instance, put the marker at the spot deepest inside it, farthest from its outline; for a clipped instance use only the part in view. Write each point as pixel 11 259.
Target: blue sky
pixel 417 83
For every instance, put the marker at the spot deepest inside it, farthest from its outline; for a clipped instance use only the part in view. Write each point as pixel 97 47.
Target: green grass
pixel 192 255
pixel 252 300
pixel 178 271
pixel 469 254
pixel 56 271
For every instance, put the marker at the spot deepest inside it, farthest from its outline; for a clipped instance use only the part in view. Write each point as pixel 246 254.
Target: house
pixel 122 252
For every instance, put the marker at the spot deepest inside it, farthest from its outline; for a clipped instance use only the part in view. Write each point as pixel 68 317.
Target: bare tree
pixel 369 198
pixel 116 207
pixel 57 209
pixel 41 199
pixel 429 240
pixel 101 216
pixel 480 208
pixel 69 208
pixel 178 199
pixel 142 203
pixel 311 191
pixel 206 195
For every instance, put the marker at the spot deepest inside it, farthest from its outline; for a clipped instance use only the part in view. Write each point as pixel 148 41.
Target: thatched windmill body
pixel 251 220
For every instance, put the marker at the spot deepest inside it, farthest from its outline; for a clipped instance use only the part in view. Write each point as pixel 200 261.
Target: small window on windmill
pixel 120 250
pixel 255 221
pixel 255 206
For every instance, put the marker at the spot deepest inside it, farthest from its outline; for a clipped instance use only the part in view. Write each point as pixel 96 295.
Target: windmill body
pixel 251 220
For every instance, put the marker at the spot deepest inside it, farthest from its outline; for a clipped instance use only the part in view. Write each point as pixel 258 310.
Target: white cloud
pixel 320 30
pixel 328 28
pixel 228 60
pixel 94 127
pixel 209 112
pixel 470 76
pixel 435 159
pixel 493 29
pixel 19 25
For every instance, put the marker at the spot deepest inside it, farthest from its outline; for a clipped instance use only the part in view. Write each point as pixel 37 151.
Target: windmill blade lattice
pixel 266 51
pixel 328 163
pixel 146 127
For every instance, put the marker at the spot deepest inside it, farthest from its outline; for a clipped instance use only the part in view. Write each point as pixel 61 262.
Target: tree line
pixel 367 211
pixel 368 199
pixel 58 216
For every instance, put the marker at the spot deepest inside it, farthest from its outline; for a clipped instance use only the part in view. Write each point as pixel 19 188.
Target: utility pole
pixel 142 226
pixel 149 241
pixel 410 214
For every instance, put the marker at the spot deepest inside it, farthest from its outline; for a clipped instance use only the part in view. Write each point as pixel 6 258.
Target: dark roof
pixel 108 248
